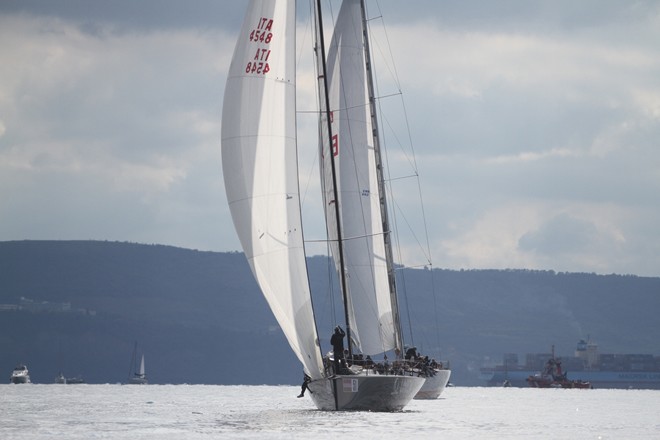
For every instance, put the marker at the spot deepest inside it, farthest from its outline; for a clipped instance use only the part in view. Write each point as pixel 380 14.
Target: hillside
pixel 200 318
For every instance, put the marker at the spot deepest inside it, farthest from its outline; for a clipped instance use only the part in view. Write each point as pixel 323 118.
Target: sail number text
pixel 261 35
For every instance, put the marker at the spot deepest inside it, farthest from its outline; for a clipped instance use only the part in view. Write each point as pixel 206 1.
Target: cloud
pixel 531 122
pixel 539 122
pixel 130 16
pixel 560 236
pixel 579 242
pixel 108 123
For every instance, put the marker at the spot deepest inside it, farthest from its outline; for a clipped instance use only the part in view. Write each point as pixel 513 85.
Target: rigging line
pixel 426 233
pixel 412 231
pixel 389 95
pixel 302 44
pixel 407 124
pixel 413 163
pixel 322 72
pixel 309 179
pixel 316 154
pixel 424 221
pixel 406 153
pixel 349 132
pixel 394 74
pixel 425 250
pixel 409 176
pixel 330 293
pixel 415 266
pixel 397 237
pixel 355 237
pixel 374 106
pixel 331 274
pixel 330 290
pixel 397 81
pixel 388 188
pixel 377 98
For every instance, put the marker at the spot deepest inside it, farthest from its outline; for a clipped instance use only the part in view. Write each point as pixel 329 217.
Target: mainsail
pixel 359 198
pixel 259 161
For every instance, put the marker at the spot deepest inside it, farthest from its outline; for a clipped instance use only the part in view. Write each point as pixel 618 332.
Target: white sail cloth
pixel 361 224
pixel 260 168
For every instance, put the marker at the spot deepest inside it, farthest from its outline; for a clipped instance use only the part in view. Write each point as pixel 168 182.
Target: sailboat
pixel 355 128
pixel 260 169
pixel 138 376
pixel 437 379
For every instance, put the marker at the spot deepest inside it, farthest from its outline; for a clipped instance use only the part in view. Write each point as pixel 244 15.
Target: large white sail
pixel 361 224
pixel 260 168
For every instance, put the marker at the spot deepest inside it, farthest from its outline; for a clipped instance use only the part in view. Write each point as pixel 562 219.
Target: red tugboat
pixel 553 377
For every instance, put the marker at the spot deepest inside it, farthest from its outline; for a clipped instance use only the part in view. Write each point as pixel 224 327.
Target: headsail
pixel 369 301
pixel 260 170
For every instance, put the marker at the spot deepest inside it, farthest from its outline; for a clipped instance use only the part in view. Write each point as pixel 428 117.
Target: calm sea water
pixel 274 412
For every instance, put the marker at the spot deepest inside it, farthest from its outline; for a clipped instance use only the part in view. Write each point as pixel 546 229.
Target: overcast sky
pixel 535 125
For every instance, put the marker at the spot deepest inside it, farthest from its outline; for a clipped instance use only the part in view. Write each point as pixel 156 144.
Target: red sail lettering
pixel 269 26
pixel 265 24
pixel 261 55
pixel 335 145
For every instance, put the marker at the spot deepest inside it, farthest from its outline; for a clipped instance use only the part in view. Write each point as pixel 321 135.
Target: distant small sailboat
pixel 138 376
pixel 20 375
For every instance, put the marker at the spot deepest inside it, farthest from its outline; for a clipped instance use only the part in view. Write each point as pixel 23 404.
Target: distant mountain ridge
pixel 200 318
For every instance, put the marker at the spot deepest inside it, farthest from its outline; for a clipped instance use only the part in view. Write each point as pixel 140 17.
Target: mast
pixel 322 78
pixel 387 234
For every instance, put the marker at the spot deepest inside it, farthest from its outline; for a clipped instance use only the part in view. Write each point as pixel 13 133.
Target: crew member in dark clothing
pixel 411 354
pixel 304 387
pixel 337 341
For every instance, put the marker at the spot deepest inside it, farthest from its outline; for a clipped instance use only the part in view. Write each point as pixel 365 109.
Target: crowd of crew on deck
pixel 413 362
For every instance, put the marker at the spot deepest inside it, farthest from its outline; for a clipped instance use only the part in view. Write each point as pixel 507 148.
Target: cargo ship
pixel 624 371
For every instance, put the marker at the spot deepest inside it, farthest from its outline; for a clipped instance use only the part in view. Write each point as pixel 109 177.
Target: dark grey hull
pixel 363 392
